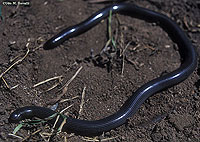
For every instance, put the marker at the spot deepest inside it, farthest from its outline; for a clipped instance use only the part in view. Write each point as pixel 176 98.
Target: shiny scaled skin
pixel 96 127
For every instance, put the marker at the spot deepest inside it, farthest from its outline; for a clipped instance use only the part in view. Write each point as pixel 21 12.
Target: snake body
pixel 130 107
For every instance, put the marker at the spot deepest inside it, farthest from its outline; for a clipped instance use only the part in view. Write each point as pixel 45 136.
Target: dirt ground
pixel 170 115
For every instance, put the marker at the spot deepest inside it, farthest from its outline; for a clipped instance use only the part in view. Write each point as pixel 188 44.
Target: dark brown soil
pixel 171 115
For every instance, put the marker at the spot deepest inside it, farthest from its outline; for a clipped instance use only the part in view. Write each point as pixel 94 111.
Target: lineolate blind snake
pixel 96 127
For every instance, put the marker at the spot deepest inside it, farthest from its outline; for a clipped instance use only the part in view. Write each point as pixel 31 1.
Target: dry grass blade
pixel 5 83
pixel 13 59
pixel 39 39
pixel 65 87
pixel 17 62
pixel 74 76
pixel 66 108
pixel 65 139
pixel 123 54
pixel 26 138
pixel 52 130
pixel 16 136
pixel 14 87
pixel 106 47
pixel 61 125
pixel 95 139
pixel 36 48
pixel 45 81
pixel 45 135
pixel 149 47
pixel 82 101
pixel 135 63
pixel 89 139
pixel 64 100
pixel 107 139
pixel 51 88
pixel 42 136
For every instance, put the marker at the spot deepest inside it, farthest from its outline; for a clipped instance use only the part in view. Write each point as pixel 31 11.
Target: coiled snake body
pixel 84 127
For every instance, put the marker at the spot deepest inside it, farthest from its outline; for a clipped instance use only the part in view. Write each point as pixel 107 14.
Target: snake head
pixel 20 114
pixel 14 118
